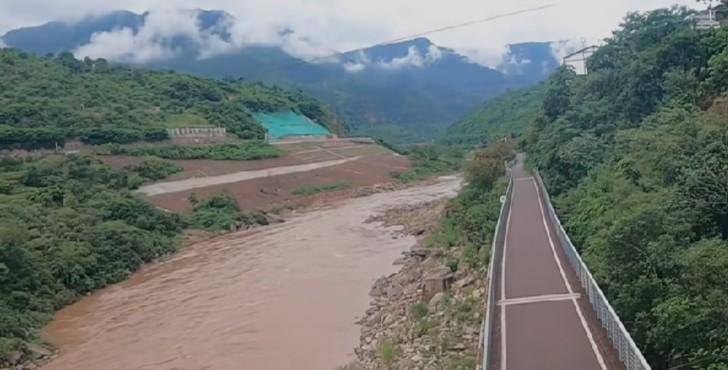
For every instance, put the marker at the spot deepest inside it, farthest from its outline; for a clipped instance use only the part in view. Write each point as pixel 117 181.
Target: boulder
pixel 465 281
pixel 435 301
pixel 437 281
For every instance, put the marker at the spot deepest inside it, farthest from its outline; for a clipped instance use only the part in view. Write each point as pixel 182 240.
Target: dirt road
pixel 281 297
pixel 202 182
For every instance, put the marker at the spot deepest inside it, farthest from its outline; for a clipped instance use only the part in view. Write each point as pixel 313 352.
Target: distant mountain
pixel 55 37
pixel 407 91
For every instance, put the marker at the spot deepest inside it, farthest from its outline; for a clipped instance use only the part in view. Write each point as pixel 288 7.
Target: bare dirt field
pixel 343 161
pixel 297 153
pixel 263 193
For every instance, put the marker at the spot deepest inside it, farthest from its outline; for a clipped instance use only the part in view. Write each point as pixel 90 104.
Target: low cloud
pixel 2 44
pixel 413 59
pixel 163 31
pixel 360 63
pixel 561 49
pixel 155 39
pixel 166 34
pixel 512 65
pixel 336 24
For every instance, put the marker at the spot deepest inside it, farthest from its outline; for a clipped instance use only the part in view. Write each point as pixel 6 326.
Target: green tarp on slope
pixel 286 124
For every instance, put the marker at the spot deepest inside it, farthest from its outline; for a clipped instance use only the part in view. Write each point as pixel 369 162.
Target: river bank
pixel 424 316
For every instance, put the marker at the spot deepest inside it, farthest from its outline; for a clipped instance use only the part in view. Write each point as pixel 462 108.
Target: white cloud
pixel 325 25
pixel 153 41
pixel 360 63
pixel 2 44
pixel 413 59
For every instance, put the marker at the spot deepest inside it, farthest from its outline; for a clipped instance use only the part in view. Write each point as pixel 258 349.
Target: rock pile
pixel 425 316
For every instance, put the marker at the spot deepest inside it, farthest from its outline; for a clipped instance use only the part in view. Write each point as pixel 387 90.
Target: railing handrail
pixel 490 298
pixel 595 293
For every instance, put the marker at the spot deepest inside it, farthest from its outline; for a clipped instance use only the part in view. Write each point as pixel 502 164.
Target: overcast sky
pixel 347 24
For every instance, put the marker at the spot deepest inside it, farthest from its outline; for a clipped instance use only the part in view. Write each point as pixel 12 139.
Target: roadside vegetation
pixel 636 156
pixel 471 217
pixel 47 100
pixel 252 150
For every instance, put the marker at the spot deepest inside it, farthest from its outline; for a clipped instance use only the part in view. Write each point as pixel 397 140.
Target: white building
pixel 706 20
pixel 576 61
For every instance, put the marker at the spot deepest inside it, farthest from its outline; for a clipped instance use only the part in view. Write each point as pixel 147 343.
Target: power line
pixel 466 24
pixel 413 36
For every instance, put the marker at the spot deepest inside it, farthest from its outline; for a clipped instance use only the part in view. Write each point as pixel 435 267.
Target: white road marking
pixel 584 324
pixel 503 282
pixel 539 298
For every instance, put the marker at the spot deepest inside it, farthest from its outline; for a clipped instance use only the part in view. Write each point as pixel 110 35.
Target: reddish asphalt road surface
pixel 542 321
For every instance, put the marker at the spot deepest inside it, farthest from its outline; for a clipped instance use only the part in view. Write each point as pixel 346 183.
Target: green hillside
pixel 508 114
pixel 70 224
pixel 636 155
pixel 46 100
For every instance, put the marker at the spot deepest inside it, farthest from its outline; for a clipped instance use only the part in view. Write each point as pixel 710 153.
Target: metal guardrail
pixel 629 354
pixel 495 256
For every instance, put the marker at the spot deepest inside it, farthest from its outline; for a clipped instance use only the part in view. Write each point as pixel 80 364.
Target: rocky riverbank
pixel 427 315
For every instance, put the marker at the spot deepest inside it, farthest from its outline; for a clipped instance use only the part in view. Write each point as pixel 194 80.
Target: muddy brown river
pixel 280 297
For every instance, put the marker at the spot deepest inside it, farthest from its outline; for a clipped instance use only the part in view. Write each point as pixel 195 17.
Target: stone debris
pixel 424 316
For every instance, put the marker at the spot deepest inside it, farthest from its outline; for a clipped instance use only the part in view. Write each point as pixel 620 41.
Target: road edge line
pixel 584 324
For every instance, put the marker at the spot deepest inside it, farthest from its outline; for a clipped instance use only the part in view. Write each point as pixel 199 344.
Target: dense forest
pixel 506 115
pixel 636 155
pixel 70 225
pixel 44 101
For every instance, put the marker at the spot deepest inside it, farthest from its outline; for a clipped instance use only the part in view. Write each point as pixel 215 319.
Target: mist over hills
pixel 406 91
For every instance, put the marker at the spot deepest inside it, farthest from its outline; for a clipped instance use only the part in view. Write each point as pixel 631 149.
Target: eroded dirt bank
pixel 281 297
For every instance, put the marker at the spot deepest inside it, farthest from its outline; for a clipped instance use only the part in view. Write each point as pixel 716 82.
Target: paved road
pixel 542 323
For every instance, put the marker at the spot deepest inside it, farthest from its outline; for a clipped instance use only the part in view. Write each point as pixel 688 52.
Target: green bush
pixel 69 226
pixel 387 352
pixel 418 311
pixel 155 169
pixel 471 217
pixel 240 152
pixel 222 213
pixel 429 161
pixel 313 190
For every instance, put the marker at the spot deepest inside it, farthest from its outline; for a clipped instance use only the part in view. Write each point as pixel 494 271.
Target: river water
pixel 280 297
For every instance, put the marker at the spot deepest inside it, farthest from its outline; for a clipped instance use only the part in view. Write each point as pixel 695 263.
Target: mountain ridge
pixel 404 91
